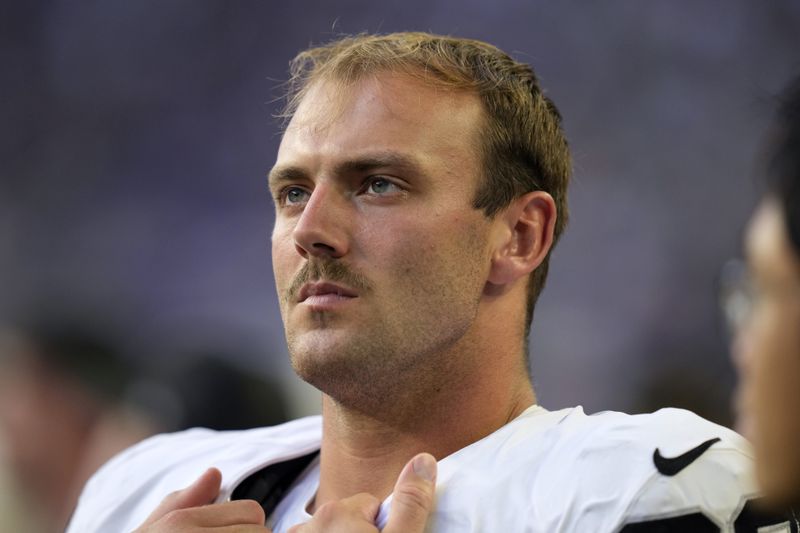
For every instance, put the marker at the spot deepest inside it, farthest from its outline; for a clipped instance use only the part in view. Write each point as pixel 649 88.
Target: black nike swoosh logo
pixel 669 466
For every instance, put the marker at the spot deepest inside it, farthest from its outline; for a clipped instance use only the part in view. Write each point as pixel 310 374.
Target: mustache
pixel 329 270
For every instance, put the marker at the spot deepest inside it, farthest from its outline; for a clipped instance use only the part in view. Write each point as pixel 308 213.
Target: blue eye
pixel 381 186
pixel 294 196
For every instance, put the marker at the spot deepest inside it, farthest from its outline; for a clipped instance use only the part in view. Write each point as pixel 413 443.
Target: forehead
pixel 385 113
pixel 767 241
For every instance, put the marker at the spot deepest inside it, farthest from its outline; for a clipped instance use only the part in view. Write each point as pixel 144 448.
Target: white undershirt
pixel 292 508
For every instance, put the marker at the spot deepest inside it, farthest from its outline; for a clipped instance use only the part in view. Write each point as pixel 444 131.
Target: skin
pixel 395 295
pixel 768 356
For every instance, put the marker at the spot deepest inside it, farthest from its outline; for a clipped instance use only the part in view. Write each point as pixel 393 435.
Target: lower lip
pixel 325 301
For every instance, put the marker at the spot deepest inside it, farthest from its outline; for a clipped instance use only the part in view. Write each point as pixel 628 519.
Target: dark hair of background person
pixel 203 388
pixel 84 354
pixel 784 168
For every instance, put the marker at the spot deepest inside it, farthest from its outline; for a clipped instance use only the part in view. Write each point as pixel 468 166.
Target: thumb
pixel 412 501
pixel 201 492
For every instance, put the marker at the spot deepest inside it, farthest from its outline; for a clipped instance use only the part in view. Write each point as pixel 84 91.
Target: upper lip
pixel 324 287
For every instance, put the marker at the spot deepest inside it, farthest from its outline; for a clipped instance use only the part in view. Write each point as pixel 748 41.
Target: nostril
pixel 300 250
pixel 321 246
pixel 317 249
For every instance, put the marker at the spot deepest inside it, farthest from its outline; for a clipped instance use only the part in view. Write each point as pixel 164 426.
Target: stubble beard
pixel 391 369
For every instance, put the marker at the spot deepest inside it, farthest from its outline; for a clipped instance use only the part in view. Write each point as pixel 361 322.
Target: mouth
pixel 324 292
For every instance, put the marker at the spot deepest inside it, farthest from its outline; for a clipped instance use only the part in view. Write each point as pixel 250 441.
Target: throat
pixel 365 454
pixel 360 454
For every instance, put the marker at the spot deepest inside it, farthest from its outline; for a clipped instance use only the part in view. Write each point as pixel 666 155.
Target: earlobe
pixel 525 237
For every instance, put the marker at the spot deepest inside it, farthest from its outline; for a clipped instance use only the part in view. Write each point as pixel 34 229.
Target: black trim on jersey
pixel 750 519
pixel 687 523
pixel 670 466
pixel 269 485
pixel 753 516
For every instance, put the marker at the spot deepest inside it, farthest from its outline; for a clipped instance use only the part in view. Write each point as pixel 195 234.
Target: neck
pixel 364 452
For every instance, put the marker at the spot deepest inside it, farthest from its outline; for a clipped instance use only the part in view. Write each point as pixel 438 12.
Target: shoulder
pixel 168 454
pixel 638 440
pixel 568 471
pixel 202 443
pixel 671 470
pixel 124 491
pixel 613 442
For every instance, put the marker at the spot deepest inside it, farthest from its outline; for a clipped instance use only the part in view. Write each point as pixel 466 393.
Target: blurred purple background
pixel 136 137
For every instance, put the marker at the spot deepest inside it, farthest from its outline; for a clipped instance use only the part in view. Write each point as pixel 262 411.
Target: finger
pixel 412 500
pixel 237 529
pixel 363 505
pixel 361 508
pixel 240 512
pixel 355 514
pixel 201 492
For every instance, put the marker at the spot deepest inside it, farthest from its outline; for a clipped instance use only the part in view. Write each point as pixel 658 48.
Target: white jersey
pixel 545 471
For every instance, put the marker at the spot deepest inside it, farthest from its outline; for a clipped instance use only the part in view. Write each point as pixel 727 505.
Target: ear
pixel 524 236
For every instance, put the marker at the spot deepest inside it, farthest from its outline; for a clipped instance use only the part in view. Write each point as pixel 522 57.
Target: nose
pixel 320 231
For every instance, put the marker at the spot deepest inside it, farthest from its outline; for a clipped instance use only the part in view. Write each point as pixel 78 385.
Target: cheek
pixel 431 261
pixel 283 256
pixel 775 388
pixel 403 258
pixel 775 359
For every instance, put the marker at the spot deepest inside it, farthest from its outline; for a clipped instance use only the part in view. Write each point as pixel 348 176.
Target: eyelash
pixel 369 182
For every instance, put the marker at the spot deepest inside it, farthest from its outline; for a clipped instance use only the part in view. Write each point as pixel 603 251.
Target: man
pixel 768 308
pixel 420 186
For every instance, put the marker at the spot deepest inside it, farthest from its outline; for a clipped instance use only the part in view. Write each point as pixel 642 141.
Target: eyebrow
pixel 370 162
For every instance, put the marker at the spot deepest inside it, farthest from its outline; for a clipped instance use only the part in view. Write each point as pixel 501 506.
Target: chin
pixel 317 344
pixel 317 354
pixel 341 370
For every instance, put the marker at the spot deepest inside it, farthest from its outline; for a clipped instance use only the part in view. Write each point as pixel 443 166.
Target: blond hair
pixel 524 147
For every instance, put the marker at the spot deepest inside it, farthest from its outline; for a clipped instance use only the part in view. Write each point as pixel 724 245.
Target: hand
pixel 411 504
pixel 188 510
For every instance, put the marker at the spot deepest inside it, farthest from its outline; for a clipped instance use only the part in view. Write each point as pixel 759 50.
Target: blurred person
pixel 765 309
pixel 62 382
pixel 420 186
pixel 61 413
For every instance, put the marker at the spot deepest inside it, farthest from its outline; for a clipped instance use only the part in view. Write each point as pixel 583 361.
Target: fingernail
pixel 425 466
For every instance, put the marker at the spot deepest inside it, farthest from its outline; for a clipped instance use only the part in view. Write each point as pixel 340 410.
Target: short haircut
pixel 524 147
pixel 784 169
